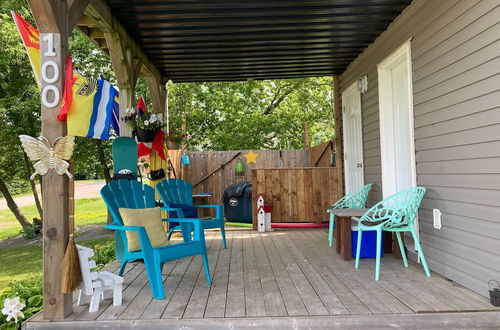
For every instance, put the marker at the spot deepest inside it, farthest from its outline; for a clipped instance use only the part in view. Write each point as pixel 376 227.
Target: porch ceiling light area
pixel 263 39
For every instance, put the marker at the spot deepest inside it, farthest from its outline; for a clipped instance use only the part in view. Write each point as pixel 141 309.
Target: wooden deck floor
pixel 283 275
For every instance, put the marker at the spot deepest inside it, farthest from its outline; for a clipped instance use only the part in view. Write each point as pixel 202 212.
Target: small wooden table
pixel 342 233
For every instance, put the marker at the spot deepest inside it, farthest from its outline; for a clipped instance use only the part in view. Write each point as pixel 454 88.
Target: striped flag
pixel 102 112
pixel 93 116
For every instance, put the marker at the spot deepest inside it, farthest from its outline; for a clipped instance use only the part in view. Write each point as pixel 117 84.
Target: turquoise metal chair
pixel 396 213
pixel 134 195
pixel 176 192
pixel 353 200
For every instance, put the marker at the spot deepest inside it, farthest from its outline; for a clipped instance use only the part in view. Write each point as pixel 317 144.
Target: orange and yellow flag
pixel 31 41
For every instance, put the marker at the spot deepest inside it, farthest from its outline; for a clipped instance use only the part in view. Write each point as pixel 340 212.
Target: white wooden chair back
pixel 86 266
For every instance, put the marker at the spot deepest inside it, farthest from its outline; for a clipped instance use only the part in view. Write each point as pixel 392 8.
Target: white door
pixel 353 138
pixel 396 123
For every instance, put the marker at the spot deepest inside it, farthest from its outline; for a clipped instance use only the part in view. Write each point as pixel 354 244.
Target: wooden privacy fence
pixel 296 194
pixel 213 171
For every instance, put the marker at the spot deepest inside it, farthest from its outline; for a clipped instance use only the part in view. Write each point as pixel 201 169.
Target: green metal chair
pixel 353 200
pixel 396 213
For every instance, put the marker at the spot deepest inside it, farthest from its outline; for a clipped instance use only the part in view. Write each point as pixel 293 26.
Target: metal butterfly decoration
pixel 48 157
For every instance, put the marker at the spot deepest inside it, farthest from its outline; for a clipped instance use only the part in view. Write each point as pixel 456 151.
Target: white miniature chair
pixel 96 284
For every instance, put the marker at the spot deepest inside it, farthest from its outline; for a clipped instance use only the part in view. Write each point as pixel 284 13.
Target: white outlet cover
pixel 436 213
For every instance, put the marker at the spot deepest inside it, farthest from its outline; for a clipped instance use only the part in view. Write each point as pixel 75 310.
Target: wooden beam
pixel 157 88
pixel 46 15
pixel 52 20
pixel 126 67
pixel 75 12
pixel 86 21
pixel 100 12
pixel 95 33
pixel 339 160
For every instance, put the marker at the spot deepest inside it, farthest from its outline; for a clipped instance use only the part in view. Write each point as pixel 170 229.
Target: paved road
pixel 83 189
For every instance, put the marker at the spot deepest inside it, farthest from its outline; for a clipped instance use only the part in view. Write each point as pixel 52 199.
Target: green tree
pixel 252 114
pixel 19 108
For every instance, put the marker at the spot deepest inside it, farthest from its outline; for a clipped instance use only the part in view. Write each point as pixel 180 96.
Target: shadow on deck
pixel 284 279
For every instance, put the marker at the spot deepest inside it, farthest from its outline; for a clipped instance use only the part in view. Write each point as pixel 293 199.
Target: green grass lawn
pixel 25 262
pixel 88 211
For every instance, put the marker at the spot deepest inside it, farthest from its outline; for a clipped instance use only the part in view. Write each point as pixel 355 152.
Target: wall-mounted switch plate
pixel 436 213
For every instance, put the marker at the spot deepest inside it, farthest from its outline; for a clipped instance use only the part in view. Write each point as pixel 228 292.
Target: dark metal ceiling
pixel 260 39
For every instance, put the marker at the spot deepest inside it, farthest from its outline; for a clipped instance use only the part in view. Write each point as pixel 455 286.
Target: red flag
pixel 141 106
pixel 68 91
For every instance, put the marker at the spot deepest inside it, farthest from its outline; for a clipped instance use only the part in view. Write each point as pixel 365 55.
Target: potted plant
pixel 143 124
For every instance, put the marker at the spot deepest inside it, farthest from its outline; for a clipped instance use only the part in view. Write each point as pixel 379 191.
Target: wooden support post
pixel 339 160
pixel 127 68
pixel 157 88
pixel 54 19
pixel 307 140
pixel 183 145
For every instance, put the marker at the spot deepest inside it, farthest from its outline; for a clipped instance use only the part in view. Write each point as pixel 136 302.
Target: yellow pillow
pixel 150 219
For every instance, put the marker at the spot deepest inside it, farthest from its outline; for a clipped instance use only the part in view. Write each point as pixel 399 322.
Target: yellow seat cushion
pixel 150 219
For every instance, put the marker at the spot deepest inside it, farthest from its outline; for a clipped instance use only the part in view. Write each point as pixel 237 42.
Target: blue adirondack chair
pixel 396 213
pixel 354 200
pixel 177 194
pixel 134 195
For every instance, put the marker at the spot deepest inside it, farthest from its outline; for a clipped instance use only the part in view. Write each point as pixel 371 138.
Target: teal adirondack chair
pixel 134 195
pixel 125 154
pixel 354 200
pixel 396 213
pixel 176 193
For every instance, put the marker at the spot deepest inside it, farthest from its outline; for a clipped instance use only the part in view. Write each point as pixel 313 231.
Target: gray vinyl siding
pixel 455 50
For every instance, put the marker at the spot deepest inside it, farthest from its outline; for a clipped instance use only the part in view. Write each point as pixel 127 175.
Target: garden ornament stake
pixel 48 157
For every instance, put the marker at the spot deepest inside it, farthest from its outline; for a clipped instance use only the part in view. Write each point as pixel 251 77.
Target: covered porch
pixel 284 279
pixel 288 279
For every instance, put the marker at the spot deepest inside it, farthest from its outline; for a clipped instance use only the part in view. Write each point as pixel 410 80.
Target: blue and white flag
pixel 102 111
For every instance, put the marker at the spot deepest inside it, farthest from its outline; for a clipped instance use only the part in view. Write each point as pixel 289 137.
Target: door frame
pixel 352 87
pixel 403 53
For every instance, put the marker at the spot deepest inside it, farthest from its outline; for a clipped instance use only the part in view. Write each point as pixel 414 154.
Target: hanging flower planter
pixel 145 135
pixel 143 124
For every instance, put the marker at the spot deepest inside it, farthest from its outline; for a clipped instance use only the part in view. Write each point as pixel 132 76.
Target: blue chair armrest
pixel 180 213
pixel 141 231
pixel 199 233
pixel 184 220
pixel 218 209
pixel 124 228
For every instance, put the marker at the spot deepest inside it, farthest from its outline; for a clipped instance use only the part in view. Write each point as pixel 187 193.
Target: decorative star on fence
pixel 251 157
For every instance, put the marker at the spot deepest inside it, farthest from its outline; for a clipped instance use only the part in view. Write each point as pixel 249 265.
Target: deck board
pixel 327 295
pixel 198 300
pixel 235 299
pixel 254 298
pixel 279 276
pixel 216 306
pixel 178 303
pixel 293 302
pixel 156 307
pixel 273 300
